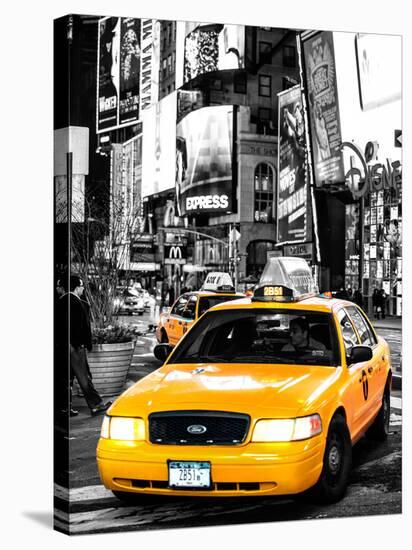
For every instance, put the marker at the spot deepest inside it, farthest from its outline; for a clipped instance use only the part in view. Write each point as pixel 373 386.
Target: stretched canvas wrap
pixel 190 158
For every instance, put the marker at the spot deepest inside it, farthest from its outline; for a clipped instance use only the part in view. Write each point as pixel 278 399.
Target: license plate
pixel 189 474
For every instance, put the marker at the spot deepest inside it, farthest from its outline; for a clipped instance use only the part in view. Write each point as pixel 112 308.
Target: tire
pixel 163 338
pixel 337 462
pixel 379 430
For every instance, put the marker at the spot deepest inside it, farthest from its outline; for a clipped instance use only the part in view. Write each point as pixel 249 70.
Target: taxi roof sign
pixel 292 275
pixel 218 281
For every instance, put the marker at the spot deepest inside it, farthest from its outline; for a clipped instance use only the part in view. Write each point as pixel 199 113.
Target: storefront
pixel 381 260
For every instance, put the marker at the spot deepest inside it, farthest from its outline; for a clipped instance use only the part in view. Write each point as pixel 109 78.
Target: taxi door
pixel 175 322
pixel 358 391
pixel 376 366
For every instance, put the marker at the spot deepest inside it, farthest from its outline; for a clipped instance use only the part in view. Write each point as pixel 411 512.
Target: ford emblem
pixel 196 429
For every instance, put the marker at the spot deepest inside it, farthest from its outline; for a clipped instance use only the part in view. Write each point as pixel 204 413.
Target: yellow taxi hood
pixel 254 389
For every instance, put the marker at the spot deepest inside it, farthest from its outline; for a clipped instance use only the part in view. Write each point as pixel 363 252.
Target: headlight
pixel 288 429
pixel 125 429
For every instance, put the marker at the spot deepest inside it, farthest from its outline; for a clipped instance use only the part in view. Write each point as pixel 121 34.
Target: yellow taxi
pixel 263 396
pixel 175 322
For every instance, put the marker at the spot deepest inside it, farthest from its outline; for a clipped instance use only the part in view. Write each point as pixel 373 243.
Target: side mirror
pixel 162 351
pixel 360 354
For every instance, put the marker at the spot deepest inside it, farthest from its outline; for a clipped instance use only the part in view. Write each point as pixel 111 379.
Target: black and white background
pixel 27 276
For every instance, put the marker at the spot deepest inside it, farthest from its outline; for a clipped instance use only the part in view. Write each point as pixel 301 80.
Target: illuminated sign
pixel 292 203
pixel 207 202
pixel 323 107
pixel 373 177
pixel 118 72
pixel 291 272
pixel 203 168
pixel 213 47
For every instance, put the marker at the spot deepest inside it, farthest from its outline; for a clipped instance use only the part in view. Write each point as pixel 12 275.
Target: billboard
pixel 118 72
pixel 150 62
pixel 159 145
pixel 213 47
pixel 323 106
pixel 292 203
pixel 204 145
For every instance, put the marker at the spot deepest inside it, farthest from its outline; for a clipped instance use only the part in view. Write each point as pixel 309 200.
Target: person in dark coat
pixel 375 302
pixel 74 339
pixel 382 302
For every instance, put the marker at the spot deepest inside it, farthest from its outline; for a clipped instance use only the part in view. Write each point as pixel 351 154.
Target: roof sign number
pixel 285 279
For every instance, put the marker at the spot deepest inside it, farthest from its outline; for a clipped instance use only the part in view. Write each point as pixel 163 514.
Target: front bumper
pixel 250 469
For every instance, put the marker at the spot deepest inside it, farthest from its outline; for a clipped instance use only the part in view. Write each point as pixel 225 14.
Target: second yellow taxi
pixel 176 321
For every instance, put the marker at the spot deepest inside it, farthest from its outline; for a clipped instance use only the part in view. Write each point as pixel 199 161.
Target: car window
pixel 361 326
pixel 261 336
pixel 348 333
pixel 191 307
pixel 206 302
pixel 179 306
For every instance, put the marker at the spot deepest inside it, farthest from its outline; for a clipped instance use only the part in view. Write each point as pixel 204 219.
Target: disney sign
pixel 373 177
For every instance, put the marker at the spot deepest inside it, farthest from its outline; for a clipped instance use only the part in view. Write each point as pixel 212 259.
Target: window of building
pixel 264 123
pixel 169 63
pixel 265 85
pixel 289 56
pixel 164 68
pixel 265 52
pixel 240 83
pixel 257 255
pixel 263 193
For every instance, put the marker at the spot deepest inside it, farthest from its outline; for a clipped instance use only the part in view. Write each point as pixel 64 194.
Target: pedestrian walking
pixel 76 338
pixel 375 302
pixel 382 302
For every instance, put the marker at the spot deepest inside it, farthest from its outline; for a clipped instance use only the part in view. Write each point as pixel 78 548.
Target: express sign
pixel 207 202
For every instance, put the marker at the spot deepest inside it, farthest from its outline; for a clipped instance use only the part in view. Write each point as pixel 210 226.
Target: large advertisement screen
pixel 159 145
pixel 204 178
pixel 323 105
pixel 293 189
pixel 213 47
pixel 118 72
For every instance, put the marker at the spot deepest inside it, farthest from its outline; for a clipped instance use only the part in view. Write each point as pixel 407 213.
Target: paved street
pixel 375 486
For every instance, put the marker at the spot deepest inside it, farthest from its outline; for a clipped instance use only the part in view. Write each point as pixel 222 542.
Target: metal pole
pixel 361 240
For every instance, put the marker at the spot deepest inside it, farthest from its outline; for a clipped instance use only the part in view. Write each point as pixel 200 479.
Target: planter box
pixel 109 365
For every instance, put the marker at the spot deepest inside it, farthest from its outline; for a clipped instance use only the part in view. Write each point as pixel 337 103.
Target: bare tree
pixel 101 249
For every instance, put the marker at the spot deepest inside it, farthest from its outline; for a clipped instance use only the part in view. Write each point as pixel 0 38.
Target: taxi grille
pixel 198 428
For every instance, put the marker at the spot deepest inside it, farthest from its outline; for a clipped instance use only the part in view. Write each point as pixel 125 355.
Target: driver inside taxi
pixel 300 338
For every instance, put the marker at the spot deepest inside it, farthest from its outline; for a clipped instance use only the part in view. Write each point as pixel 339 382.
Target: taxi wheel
pixel 380 427
pixel 163 338
pixel 337 462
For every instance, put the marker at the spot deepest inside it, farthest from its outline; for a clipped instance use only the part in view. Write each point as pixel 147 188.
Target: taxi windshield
pixel 261 336
pixel 206 302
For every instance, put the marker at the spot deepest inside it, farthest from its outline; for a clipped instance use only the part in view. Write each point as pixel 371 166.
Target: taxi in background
pixel 263 396
pixel 174 323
